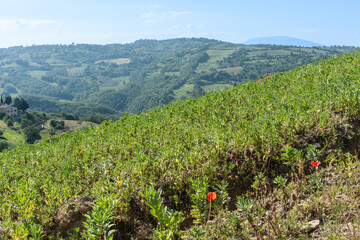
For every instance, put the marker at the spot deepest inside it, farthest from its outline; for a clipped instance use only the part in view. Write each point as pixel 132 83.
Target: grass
pixel 13 137
pixel 37 74
pixel 232 70
pixel 115 83
pixel 216 87
pixel 252 145
pixel 117 61
pixel 215 55
pixel 183 91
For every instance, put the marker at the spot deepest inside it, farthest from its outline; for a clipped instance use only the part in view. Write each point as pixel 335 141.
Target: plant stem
pixel 209 212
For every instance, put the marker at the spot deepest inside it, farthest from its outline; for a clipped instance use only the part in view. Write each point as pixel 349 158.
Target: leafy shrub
pixel 31 134
pixel 99 221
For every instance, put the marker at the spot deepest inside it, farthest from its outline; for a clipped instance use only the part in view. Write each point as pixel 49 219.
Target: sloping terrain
pixel 253 145
pixel 143 75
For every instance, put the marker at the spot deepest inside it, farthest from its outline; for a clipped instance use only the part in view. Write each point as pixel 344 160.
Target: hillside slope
pixel 239 140
pixel 138 76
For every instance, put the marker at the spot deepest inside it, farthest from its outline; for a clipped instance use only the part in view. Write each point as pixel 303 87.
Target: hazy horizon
pixel 37 22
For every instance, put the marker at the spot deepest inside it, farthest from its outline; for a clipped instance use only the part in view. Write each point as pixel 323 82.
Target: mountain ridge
pixel 282 40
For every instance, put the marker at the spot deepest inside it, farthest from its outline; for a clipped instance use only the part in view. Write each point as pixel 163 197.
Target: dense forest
pixel 110 79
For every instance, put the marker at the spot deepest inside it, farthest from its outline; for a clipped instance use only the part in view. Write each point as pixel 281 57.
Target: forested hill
pixel 138 76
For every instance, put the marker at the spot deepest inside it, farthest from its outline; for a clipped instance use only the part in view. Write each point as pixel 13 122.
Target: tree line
pixel 20 103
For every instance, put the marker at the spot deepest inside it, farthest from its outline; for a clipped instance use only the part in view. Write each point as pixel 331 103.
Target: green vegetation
pixel 32 126
pixel 109 80
pixel 253 145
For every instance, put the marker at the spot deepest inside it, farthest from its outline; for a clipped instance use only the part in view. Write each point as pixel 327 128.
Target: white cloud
pixel 147 15
pixel 19 23
pixel 179 13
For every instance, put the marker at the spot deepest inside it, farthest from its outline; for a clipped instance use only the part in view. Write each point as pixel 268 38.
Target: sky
pixel 37 22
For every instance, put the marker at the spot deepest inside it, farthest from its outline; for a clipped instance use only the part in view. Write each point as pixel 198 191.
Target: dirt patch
pixel 71 215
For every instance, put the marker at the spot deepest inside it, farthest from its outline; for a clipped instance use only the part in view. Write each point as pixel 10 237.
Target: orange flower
pixel 63 133
pixel 315 164
pixel 211 196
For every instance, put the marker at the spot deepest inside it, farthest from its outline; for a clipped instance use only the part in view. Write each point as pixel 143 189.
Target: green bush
pixel 31 134
pixel 3 145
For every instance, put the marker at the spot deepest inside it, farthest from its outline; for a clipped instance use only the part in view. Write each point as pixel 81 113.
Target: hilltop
pixel 278 152
pixel 86 79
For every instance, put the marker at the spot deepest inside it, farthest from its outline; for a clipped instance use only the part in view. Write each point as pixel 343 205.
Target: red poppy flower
pixel 315 164
pixel 268 74
pixel 63 133
pixel 261 80
pixel 211 196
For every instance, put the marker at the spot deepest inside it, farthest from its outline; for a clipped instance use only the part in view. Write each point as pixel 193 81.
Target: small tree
pixel 3 145
pixel 31 134
pixel 2 115
pixel 7 119
pixel 9 122
pixel 25 123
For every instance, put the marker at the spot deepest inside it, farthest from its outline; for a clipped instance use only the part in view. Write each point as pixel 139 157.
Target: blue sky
pixel 28 22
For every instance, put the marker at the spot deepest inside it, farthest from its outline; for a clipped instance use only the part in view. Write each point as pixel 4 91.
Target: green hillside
pixel 88 79
pixel 252 145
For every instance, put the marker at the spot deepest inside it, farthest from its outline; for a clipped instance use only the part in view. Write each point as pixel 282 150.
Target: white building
pixel 13 111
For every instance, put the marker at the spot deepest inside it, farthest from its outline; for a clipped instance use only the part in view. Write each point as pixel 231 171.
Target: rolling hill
pixel 278 153
pixel 111 79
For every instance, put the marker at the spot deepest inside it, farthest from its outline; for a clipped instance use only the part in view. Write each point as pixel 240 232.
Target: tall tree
pixel 1 100
pixel 23 105
pixel 16 102
pixel 8 100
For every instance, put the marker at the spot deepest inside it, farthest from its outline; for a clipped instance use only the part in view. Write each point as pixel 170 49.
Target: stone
pixel 310 226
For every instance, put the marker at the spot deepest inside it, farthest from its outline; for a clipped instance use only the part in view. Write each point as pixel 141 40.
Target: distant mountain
pixel 282 40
